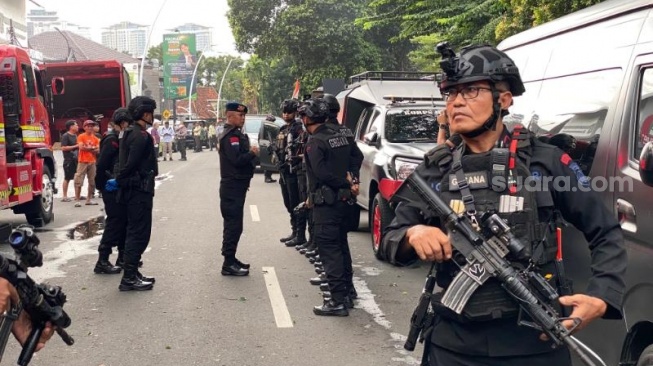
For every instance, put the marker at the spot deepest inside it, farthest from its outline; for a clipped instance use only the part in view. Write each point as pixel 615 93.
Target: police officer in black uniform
pixel 116 220
pixel 327 161
pixel 356 155
pixel 135 180
pixel 478 86
pixel 237 163
pixel 289 163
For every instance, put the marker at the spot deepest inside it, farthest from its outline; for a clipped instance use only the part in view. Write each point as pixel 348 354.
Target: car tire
pixel 381 214
pixel 40 210
pixel 646 358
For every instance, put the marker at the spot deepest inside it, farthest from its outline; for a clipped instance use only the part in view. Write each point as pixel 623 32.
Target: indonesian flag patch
pixel 235 141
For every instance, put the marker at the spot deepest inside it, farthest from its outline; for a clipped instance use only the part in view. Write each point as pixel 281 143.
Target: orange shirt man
pixel 89 146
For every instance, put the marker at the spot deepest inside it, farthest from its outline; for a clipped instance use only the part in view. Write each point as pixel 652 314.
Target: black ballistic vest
pixel 487 184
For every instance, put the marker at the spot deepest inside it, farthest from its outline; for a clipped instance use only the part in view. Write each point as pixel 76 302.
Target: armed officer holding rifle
pixel 479 176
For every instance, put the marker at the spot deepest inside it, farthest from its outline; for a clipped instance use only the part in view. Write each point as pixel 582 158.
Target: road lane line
pixel 279 308
pixel 254 212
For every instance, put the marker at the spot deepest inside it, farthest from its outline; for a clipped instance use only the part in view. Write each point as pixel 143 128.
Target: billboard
pixel 179 60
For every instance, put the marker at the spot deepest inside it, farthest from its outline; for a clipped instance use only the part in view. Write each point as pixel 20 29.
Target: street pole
pixel 221 82
pixel 192 81
pixel 147 45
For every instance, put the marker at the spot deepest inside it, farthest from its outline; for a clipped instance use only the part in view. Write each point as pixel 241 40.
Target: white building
pixel 203 35
pixel 41 20
pixel 126 36
pixel 12 12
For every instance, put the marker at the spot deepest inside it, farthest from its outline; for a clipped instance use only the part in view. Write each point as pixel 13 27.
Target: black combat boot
pixel 331 308
pixel 131 282
pixel 231 268
pixel 349 303
pixel 294 231
pixel 300 239
pixel 103 266
pixel 119 261
pixel 143 278
pixel 320 279
pixel 242 264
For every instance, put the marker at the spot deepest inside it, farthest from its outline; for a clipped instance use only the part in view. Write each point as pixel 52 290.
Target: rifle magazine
pixel 459 291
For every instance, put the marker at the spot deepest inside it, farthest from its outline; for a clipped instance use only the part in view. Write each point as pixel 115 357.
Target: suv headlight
pixel 404 167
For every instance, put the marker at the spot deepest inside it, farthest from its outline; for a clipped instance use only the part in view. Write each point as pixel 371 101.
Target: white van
pixel 590 75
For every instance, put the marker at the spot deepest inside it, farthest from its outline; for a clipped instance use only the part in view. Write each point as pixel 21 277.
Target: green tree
pixel 524 14
pixel 317 37
pixel 156 52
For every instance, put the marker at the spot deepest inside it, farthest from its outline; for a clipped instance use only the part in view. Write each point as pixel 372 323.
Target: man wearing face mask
pixel 135 180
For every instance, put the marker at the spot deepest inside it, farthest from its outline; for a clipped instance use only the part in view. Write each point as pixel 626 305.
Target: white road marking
pixel 279 308
pixel 254 212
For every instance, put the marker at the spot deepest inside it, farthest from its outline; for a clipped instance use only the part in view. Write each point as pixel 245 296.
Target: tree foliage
pixel 311 40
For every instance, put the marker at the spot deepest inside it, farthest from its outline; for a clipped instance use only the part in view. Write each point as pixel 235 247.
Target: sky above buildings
pixel 98 14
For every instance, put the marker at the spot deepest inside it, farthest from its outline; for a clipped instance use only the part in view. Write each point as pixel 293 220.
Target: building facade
pixel 41 20
pixel 12 13
pixel 203 35
pixel 126 37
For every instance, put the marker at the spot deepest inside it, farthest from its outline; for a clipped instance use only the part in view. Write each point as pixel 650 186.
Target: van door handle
pixel 626 215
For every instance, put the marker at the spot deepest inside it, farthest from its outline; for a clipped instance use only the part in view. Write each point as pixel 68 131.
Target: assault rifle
pixel 43 303
pixel 485 254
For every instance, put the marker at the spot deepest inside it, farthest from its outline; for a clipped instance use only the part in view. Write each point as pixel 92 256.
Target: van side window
pixel 28 81
pixel 376 121
pixel 571 106
pixel 363 121
pixel 644 130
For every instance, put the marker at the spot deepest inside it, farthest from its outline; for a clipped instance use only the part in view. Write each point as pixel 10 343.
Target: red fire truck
pixel 27 167
pixel 93 90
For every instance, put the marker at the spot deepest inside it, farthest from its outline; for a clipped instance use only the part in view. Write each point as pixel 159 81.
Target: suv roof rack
pixel 410 99
pixel 392 75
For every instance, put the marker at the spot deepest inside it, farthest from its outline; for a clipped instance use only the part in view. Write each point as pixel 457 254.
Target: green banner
pixel 179 61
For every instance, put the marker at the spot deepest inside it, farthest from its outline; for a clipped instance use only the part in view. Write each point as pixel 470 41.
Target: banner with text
pixel 179 60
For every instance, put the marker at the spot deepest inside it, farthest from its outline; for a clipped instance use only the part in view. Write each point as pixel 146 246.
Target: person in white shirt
pixel 167 137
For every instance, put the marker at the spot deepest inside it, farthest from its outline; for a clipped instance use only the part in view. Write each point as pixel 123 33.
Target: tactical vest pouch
pixel 489 302
pixel 318 198
pixel 344 194
pixel 328 194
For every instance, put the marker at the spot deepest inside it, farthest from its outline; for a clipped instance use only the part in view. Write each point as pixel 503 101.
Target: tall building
pixel 126 37
pixel 41 20
pixel 12 13
pixel 203 35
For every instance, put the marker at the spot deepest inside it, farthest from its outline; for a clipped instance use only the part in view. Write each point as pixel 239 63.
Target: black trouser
pixel 181 146
pixel 232 203
pixel 268 174
pixel 289 191
pixel 331 239
pixel 441 357
pixel 115 224
pixel 139 228
pixel 213 142
pixel 198 144
pixel 302 185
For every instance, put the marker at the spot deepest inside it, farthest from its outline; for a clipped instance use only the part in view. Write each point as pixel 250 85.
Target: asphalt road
pixel 195 316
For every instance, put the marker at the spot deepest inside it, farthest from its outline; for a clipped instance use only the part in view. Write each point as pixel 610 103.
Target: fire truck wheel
pixel 41 210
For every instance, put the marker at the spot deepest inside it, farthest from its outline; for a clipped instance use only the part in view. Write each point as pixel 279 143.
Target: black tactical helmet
pixel 316 109
pixel 476 63
pixel 332 102
pixel 141 105
pixel 121 115
pixel 289 106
